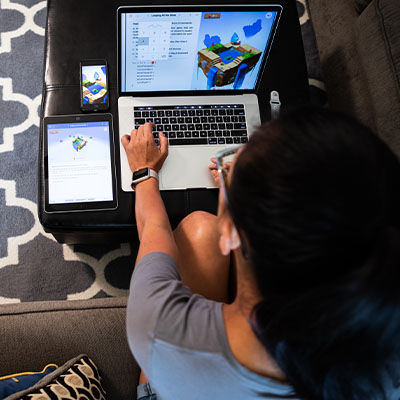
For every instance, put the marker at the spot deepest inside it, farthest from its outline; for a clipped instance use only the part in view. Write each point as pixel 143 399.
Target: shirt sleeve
pixel 155 284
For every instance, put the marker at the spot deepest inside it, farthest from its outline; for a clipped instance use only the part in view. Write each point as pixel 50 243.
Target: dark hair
pixel 317 197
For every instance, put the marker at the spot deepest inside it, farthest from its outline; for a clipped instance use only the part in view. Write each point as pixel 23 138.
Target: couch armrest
pixel 35 334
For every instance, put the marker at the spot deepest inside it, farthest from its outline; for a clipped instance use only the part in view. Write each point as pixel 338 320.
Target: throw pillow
pixel 77 379
pixel 17 382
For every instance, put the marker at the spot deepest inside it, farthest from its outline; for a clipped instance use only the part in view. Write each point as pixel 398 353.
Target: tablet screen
pixel 79 164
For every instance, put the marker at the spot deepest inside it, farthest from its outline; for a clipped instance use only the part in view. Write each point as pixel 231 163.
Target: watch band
pixel 275 104
pixel 150 174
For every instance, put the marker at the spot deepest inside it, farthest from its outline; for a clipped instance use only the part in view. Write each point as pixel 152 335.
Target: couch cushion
pixel 346 85
pixel 33 334
pixel 379 47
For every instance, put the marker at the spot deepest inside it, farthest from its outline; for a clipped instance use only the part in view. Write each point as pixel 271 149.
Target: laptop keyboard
pixel 198 124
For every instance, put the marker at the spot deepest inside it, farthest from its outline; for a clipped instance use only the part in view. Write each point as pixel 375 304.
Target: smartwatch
pixel 141 175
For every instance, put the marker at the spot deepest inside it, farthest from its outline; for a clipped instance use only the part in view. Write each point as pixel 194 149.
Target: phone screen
pixel 94 86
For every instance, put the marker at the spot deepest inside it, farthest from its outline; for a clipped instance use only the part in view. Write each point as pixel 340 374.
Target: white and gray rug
pixel 33 266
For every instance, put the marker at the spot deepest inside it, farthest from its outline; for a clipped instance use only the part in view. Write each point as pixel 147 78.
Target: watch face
pixel 141 173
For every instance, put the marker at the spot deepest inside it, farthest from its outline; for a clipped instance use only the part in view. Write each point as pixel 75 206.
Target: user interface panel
pixel 79 165
pixel 190 51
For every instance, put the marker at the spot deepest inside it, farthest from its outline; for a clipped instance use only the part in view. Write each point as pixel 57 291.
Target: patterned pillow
pixel 77 379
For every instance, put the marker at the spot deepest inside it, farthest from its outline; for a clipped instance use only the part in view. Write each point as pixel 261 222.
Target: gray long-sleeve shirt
pixel 179 340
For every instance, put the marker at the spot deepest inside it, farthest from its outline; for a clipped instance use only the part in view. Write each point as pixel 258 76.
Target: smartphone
pixel 94 85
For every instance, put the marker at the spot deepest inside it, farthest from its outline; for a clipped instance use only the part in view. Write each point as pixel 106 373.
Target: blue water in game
pixel 95 88
pixel 229 55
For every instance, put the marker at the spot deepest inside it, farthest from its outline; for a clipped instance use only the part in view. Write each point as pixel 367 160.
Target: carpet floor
pixel 33 266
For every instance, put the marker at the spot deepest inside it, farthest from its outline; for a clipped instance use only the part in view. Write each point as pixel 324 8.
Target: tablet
pixel 79 163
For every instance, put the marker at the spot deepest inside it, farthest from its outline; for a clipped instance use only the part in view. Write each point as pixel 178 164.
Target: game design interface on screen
pixel 79 162
pixel 94 84
pixel 193 50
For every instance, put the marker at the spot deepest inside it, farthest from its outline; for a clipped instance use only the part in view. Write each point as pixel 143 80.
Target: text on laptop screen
pixel 185 51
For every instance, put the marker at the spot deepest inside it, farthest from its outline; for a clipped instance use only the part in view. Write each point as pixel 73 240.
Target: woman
pixel 309 214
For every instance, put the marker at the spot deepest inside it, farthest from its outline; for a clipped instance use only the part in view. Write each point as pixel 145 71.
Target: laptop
pixel 193 71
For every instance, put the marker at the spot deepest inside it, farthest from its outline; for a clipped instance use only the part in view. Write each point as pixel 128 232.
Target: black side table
pixel 70 38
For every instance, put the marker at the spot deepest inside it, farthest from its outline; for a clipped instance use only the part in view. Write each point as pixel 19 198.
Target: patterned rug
pixel 33 266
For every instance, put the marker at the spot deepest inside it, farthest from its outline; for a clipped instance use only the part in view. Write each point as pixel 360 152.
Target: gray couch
pixel 35 334
pixel 359 45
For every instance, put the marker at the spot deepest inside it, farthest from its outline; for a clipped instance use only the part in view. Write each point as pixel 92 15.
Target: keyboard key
pixel 222 112
pixel 160 113
pixel 219 119
pixel 180 142
pixel 227 119
pixel 151 120
pixel 145 114
pixel 155 135
pixel 181 120
pixel 190 127
pixel 229 140
pixel 214 112
pixel 235 119
pixel 239 133
pixel 203 120
pixel 239 112
pixel 206 127
pixel 203 134
pixel 176 113
pixel 207 112
pixel 179 134
pixel 211 119
pixel 244 140
pixel 218 133
pixel 166 134
pixel 199 113
pixel 226 133
pixel 172 135
pixel 175 127
pixel 137 114
pixel 229 111
pixel 167 128
pixel 173 120
pixel 153 114
pixel 183 127
pixel 140 121
pixel 165 120
pixel 199 127
pixel 212 140
pixel 184 113
pixel 196 134
pixel 188 134
pixel 239 125
pixel 236 140
pixel 192 113
pixel 211 134
pixel 221 126
pixel 188 120
pixel 160 128
pixel 157 121
pixel 157 142
pixel 242 118
pixel 168 113
pixel 221 140
pixel 214 126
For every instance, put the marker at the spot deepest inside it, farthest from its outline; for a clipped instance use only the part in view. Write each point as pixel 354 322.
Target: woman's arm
pixel 154 229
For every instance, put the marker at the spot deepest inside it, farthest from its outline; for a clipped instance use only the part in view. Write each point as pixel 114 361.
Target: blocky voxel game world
pixel 94 85
pixel 230 55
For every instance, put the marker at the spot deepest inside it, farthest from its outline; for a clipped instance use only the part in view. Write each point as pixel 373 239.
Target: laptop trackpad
pixel 187 168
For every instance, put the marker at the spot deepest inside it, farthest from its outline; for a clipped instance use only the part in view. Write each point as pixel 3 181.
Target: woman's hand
pixel 142 151
pixel 214 172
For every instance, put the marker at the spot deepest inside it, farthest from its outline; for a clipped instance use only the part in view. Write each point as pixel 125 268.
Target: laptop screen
pixel 172 51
